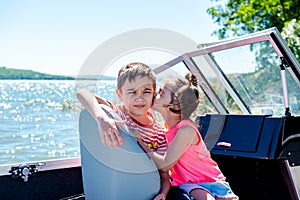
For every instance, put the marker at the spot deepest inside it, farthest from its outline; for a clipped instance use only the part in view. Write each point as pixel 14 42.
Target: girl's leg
pixel 200 194
pixel 231 198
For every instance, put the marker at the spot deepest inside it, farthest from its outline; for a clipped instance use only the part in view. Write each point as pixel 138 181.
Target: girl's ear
pixel 119 94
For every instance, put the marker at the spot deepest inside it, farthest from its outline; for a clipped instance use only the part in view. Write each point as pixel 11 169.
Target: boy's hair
pixel 185 94
pixel 133 70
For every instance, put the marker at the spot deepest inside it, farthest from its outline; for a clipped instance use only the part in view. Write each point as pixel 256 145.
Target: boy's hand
pixel 109 132
pixel 160 197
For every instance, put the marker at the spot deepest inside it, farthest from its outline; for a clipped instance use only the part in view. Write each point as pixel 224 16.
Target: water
pixel 39 119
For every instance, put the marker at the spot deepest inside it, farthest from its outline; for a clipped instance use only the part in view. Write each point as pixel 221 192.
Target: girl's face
pixel 162 99
pixel 137 96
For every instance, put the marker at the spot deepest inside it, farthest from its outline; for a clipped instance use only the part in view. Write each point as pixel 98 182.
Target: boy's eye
pixel 131 92
pixel 148 91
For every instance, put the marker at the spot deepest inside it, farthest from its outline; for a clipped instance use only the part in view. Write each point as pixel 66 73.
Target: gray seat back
pixel 125 172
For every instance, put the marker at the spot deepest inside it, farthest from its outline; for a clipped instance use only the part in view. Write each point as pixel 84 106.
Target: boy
pixel 136 86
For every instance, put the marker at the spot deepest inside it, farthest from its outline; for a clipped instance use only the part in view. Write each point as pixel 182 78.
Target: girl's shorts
pixel 218 189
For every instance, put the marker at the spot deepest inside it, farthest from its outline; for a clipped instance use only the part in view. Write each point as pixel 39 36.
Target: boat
pixel 249 120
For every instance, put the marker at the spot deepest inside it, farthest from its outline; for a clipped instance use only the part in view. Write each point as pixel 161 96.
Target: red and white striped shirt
pixel 153 134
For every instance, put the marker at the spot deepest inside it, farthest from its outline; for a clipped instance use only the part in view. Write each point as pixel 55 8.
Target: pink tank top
pixel 195 165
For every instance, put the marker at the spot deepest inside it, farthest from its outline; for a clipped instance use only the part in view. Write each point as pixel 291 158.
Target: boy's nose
pixel 139 95
pixel 139 99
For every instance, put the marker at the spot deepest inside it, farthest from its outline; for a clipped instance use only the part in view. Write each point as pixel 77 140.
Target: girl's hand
pixel 138 137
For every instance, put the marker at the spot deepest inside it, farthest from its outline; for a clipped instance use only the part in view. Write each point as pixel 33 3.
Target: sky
pixel 57 36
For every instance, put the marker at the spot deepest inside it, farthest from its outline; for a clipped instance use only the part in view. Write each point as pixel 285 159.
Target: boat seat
pixel 125 172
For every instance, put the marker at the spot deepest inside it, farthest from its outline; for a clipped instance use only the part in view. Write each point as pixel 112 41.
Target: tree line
pixel 240 17
pixel 9 73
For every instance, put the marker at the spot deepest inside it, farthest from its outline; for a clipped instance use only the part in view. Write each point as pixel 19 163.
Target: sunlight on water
pixel 39 119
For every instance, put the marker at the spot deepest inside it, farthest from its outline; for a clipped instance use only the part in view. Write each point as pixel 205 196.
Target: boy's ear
pixel 118 92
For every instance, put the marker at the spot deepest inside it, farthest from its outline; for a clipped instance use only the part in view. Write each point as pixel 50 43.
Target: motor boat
pixel 249 120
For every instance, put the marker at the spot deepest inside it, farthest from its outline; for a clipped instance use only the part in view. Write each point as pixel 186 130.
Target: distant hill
pixel 96 77
pixel 11 74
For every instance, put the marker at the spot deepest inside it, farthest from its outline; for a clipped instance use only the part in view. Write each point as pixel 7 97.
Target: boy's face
pixel 137 95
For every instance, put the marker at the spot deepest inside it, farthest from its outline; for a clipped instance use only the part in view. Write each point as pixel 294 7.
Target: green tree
pixel 239 17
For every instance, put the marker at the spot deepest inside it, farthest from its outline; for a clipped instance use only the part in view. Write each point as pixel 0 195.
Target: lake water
pixel 39 119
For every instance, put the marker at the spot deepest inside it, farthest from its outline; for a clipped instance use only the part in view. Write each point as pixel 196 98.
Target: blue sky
pixel 57 36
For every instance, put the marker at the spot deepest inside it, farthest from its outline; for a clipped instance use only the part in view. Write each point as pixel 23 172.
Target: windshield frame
pixel 206 50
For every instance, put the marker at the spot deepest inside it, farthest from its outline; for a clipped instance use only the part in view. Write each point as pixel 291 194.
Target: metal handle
pixel 224 144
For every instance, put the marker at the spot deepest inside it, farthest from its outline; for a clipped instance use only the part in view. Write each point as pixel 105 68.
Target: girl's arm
pixel 185 136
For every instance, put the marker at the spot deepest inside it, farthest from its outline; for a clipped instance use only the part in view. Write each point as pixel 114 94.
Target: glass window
pixel 252 75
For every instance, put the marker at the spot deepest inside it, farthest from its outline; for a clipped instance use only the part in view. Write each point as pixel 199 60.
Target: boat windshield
pixel 254 74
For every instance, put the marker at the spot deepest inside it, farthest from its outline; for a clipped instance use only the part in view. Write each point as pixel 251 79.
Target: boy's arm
pixel 101 100
pixel 165 183
pixel 107 126
pixel 91 102
pixel 164 175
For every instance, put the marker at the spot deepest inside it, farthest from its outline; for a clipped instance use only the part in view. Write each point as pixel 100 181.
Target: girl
pixel 187 158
